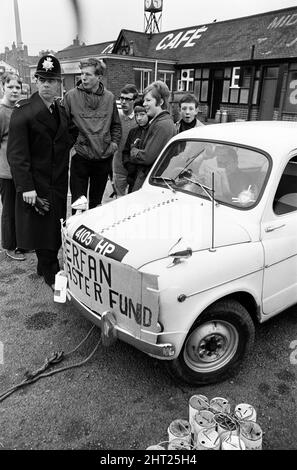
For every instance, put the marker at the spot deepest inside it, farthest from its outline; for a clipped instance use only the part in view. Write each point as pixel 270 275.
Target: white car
pixel 185 267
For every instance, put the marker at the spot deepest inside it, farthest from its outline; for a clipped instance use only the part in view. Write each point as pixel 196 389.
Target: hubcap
pixel 211 346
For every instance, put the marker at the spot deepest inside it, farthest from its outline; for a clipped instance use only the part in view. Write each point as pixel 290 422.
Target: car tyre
pixel 215 346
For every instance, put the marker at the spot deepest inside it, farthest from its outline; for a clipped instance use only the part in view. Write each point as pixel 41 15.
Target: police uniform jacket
pixel 38 154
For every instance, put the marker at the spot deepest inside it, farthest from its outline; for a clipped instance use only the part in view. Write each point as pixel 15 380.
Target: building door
pixel 268 93
pixel 216 91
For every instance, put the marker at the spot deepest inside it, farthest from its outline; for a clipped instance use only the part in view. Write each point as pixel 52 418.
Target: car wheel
pixel 215 345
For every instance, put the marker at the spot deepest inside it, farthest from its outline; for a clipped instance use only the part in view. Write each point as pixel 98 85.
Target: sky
pixel 50 24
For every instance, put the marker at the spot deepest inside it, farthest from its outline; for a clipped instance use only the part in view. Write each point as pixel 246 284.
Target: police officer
pixel 38 154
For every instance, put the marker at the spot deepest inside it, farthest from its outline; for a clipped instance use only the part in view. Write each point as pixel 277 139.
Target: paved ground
pixel 120 399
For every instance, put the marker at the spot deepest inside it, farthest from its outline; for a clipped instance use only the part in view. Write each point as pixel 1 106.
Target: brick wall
pixel 120 72
pixel 235 111
pixel 289 117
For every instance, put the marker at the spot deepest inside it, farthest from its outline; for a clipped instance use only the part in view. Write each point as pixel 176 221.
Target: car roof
pixel 275 137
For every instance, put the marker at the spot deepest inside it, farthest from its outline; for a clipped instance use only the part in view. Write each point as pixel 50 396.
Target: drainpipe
pixel 251 92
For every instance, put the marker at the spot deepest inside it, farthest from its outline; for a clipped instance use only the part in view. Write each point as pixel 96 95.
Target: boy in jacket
pixel 92 110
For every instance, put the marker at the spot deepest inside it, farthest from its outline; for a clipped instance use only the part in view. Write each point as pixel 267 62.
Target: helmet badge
pixel 48 64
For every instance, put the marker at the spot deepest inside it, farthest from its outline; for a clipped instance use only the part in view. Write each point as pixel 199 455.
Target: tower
pixel 17 26
pixel 152 16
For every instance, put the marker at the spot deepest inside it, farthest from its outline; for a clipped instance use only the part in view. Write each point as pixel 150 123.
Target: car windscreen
pixel 236 173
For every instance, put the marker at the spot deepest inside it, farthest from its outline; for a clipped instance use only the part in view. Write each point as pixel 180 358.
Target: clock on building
pixel 153 5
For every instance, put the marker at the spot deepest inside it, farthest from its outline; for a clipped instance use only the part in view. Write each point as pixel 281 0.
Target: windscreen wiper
pixel 208 191
pixel 189 163
pixel 165 180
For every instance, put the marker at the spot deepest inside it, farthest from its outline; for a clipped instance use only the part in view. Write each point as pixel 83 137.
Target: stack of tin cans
pixel 212 425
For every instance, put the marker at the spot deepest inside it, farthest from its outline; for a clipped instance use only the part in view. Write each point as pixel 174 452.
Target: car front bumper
pixel 158 350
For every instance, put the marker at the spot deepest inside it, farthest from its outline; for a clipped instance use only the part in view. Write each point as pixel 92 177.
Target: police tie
pixel 54 112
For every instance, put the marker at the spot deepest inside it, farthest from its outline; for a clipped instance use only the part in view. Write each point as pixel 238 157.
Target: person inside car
pixel 234 183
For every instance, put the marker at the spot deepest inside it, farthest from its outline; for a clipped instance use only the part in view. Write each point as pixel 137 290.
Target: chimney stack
pixel 18 25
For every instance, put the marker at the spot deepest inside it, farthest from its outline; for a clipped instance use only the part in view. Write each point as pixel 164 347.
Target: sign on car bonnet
pixel 89 239
pixel 103 284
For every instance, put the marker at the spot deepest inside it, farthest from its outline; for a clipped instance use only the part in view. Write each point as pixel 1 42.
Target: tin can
pixel 155 447
pixel 197 403
pixel 203 419
pixel 179 444
pixel 219 405
pixel 245 412
pixel 232 443
pixel 251 434
pixel 224 116
pixel 179 429
pixel 208 439
pixel 218 116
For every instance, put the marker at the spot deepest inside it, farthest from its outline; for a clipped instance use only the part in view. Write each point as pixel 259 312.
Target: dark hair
pixel 130 88
pixel 98 64
pixel 138 102
pixel 8 76
pixel 159 91
pixel 189 99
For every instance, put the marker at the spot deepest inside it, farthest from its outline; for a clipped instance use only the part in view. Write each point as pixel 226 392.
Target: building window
pixel 166 77
pixel 201 84
pixel 244 95
pixel 255 98
pixel 142 78
pixel 271 72
pixel 205 73
pixel 186 82
pixel 225 94
pixel 204 91
pixel 197 88
pixel 228 72
pixel 124 48
pixel 198 73
pixel 237 83
pixel 234 93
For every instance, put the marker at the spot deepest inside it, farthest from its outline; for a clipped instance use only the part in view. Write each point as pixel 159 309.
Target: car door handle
pixel 271 228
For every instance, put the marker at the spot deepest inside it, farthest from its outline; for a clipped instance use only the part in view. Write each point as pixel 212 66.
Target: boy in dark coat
pixel 38 154
pixel 135 139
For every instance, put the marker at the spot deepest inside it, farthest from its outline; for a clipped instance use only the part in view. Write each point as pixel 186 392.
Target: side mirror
pixel 179 256
pixel 182 254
